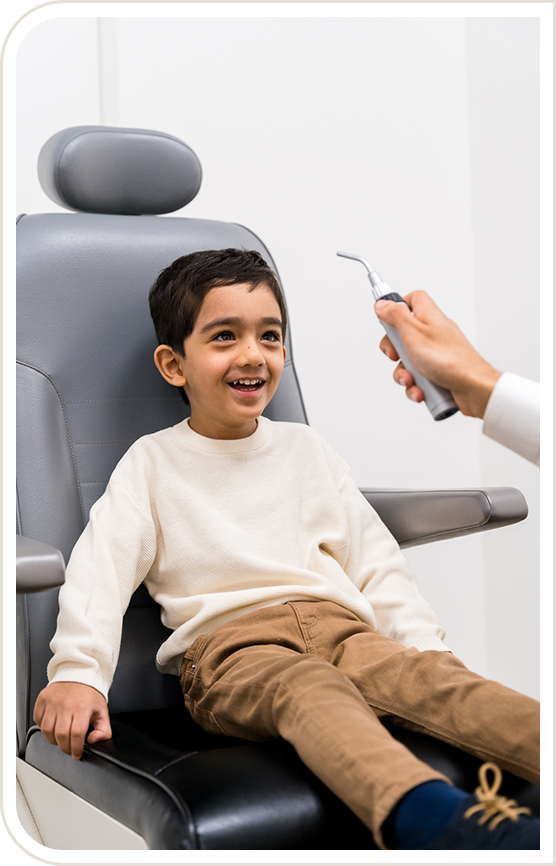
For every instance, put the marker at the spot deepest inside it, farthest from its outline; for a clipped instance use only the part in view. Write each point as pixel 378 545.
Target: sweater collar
pixel 187 436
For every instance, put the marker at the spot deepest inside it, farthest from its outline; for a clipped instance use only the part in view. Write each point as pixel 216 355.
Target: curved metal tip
pixel 356 259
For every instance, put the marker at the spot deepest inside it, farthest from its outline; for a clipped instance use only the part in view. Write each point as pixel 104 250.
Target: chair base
pixel 60 819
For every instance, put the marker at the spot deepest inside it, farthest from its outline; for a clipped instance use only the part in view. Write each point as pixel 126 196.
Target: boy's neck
pixel 221 431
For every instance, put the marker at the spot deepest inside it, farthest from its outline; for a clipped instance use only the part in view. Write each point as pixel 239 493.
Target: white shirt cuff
pixel 512 416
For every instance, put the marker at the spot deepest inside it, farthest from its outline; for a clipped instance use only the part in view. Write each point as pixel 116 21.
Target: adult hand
pixel 439 350
pixel 64 712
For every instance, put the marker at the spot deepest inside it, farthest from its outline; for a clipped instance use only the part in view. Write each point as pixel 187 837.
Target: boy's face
pixel 232 362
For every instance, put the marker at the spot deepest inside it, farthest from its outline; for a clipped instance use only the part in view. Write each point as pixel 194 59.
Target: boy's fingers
pixel 40 709
pixel 49 733
pixel 81 722
pixel 102 729
pixel 46 720
pixel 38 713
pixel 66 734
pixel 77 741
pixel 65 711
pixel 99 735
pixel 57 733
pixel 72 734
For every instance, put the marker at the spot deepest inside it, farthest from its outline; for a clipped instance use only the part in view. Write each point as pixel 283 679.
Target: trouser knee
pixel 260 695
pixel 310 689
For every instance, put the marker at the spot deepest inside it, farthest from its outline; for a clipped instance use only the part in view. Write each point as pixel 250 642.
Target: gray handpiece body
pixel 439 401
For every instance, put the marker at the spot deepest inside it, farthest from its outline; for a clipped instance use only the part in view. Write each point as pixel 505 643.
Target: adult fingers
pixel 386 346
pixel 415 394
pixel 403 376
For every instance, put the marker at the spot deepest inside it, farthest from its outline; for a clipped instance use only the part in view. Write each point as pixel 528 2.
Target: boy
pixel 293 611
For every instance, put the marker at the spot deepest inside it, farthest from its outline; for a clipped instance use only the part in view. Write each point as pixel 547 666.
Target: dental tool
pixel 440 402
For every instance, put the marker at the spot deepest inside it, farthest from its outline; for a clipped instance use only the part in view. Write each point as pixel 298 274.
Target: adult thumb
pixel 392 313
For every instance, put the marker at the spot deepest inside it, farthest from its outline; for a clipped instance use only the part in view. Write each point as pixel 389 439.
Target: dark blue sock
pixel 421 815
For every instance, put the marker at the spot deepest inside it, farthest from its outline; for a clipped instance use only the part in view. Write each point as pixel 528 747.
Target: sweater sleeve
pixel 109 561
pixel 512 416
pixel 381 572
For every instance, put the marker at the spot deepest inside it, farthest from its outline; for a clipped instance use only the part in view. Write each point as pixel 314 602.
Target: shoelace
pixel 494 806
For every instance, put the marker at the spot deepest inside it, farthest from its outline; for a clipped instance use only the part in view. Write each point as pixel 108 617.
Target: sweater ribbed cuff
pixel 430 642
pixel 79 674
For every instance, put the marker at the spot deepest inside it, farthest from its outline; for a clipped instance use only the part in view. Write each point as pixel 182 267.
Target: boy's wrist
pixel 80 676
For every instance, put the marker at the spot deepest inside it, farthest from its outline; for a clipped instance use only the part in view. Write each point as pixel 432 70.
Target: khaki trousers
pixel 314 674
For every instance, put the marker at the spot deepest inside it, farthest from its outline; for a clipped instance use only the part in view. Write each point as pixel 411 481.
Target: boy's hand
pixel 64 712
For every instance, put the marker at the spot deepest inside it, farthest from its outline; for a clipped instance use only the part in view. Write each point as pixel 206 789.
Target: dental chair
pixel 86 389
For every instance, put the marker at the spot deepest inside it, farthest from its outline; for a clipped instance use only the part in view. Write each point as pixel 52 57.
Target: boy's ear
pixel 168 364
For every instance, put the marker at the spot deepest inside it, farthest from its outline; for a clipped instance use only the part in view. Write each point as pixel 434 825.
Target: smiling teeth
pixel 247 382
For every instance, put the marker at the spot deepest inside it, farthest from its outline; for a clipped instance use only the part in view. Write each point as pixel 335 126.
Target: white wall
pixel 504 122
pixel 394 138
pixel 49 99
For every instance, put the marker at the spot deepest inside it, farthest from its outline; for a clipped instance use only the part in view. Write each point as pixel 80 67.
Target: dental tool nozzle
pixel 439 400
pixel 379 288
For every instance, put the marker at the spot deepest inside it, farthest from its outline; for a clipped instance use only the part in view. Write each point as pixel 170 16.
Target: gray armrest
pixel 38 566
pixel 420 516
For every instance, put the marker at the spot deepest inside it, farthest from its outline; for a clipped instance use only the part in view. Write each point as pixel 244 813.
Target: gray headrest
pixel 105 169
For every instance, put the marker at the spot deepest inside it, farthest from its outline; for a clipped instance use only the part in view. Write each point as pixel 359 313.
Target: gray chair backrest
pixel 87 386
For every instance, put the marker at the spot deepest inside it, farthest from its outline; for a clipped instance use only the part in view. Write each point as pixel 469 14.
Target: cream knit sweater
pixel 216 529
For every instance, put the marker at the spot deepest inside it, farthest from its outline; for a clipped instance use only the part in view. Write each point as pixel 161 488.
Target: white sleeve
pixel 512 416
pixel 109 561
pixel 381 572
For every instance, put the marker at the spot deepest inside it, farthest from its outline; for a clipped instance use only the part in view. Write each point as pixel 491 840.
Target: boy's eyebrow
pixel 235 320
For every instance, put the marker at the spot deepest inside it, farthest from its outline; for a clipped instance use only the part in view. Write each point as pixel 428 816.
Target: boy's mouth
pixel 246 384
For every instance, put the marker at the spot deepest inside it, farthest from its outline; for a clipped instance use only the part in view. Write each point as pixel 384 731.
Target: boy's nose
pixel 250 355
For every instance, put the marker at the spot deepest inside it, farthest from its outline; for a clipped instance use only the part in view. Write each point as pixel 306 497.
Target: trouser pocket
pixel 193 689
pixel 190 664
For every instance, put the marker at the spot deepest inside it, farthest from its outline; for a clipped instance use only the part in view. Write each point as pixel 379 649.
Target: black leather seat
pixel 87 388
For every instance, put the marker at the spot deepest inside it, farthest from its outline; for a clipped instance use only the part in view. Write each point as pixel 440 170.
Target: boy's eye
pixel 227 336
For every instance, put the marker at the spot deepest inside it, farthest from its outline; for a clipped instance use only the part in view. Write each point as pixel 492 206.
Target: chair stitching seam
pixel 175 761
pixel 106 442
pixel 48 379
